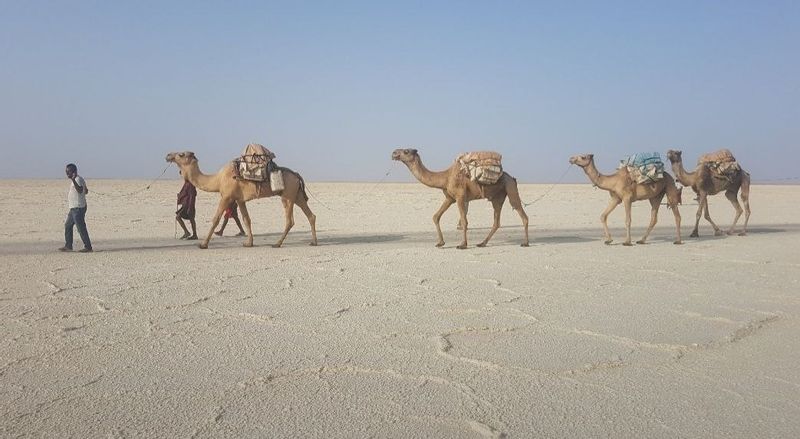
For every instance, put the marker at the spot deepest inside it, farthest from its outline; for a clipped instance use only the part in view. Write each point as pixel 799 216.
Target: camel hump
pixel 484 167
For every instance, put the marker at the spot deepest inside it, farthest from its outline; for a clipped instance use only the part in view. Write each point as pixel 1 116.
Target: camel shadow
pixel 361 239
pixel 563 239
pixel 182 244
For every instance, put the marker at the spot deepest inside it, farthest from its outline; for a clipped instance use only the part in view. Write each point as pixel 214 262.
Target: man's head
pixel 71 170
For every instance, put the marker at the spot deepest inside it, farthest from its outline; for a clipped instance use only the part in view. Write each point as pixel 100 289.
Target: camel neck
pixel 427 177
pixel 207 183
pixel 684 177
pixel 599 180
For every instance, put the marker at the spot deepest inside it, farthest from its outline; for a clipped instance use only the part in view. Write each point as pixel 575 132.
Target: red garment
pixel 231 211
pixel 186 199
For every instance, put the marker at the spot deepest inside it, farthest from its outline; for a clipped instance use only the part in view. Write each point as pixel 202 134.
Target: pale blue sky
pixel 334 87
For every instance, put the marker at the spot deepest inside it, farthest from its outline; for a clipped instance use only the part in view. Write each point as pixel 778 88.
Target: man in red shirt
pixel 186 199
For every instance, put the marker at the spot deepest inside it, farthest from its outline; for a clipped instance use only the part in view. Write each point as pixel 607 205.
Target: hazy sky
pixel 334 87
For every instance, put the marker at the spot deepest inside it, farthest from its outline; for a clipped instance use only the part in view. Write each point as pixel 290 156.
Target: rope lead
pixel 103 194
pixel 560 179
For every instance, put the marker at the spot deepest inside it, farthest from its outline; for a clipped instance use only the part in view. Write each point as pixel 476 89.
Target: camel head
pixel 674 156
pixel 405 155
pixel 185 158
pixel 582 160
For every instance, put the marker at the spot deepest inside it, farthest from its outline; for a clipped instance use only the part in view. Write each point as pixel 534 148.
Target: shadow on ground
pixel 511 237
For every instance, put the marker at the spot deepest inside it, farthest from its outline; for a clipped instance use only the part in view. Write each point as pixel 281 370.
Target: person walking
pixel 76 217
pixel 232 211
pixel 186 199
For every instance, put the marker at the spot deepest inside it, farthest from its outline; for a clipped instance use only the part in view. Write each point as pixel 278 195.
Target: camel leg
pixel 288 216
pixel 459 226
pixel 246 218
pixel 516 204
pixel 707 215
pixel 223 204
pixel 497 205
pixel 462 209
pixel 628 203
pixel 312 219
pixel 655 203
pixel 701 201
pixel 438 215
pixel 612 204
pixel 731 196
pixel 677 214
pixel 745 201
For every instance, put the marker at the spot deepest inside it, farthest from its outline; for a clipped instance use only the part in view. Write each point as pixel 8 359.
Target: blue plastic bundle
pixel 644 166
pixel 643 159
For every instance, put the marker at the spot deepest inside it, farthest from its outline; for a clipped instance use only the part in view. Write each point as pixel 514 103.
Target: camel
pixel 624 189
pixel 705 183
pixel 458 188
pixel 241 191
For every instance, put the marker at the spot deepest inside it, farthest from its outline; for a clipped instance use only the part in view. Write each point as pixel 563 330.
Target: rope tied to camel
pixel 145 188
pixel 560 179
pixel 371 189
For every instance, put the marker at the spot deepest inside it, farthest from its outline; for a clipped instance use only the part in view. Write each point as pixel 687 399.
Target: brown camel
pixel 624 189
pixel 459 189
pixel 241 191
pixel 705 183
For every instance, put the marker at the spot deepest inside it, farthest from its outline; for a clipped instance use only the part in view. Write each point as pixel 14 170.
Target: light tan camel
pixel 704 183
pixel 624 189
pixel 458 188
pixel 241 191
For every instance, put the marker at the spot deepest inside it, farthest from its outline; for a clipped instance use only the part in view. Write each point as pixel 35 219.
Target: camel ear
pixel 590 156
pixel 413 151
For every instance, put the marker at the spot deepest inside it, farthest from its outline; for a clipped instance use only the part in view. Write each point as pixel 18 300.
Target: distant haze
pixel 332 88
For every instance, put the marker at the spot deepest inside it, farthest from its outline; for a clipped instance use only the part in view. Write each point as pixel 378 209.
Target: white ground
pixel 377 333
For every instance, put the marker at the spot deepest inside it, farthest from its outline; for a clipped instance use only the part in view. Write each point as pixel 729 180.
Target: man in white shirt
pixel 76 202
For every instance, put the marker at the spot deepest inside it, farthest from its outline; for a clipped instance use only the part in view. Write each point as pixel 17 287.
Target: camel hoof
pixel 203 246
pixel 743 234
pixel 461 246
pixel 483 244
pixel 608 241
pixel 627 244
pixel 677 242
pixel 524 244
pixel 694 235
pixel 440 244
pixel 720 233
pixel 247 244
pixel 641 241
pixel 313 244
pixel 276 245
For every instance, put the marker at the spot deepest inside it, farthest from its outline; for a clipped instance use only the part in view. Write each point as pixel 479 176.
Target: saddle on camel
pixel 483 167
pixel 644 167
pixel 256 164
pixel 721 163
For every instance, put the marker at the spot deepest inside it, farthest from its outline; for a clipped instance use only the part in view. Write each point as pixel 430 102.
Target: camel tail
pixel 300 177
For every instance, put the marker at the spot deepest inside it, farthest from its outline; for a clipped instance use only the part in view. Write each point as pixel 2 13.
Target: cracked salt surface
pixel 377 333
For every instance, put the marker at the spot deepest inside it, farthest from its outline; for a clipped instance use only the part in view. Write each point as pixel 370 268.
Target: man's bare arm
pixel 78 187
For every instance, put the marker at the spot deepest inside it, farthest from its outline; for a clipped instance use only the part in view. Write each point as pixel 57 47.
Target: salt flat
pixel 378 333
